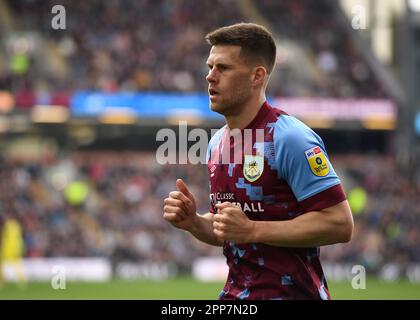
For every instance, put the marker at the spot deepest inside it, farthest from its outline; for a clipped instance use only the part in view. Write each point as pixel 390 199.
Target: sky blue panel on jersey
pixel 214 142
pixel 291 139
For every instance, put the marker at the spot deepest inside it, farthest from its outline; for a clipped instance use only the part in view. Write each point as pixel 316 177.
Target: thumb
pixel 180 184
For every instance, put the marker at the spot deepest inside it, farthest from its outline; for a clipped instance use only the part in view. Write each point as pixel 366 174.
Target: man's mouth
pixel 213 92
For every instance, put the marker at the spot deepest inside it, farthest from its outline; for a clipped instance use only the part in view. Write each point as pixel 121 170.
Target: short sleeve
pixel 302 161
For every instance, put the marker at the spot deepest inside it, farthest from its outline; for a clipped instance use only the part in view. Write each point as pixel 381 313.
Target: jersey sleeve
pixel 302 161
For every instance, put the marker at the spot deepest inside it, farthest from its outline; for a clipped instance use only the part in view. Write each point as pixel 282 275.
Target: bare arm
pixel 202 229
pixel 312 229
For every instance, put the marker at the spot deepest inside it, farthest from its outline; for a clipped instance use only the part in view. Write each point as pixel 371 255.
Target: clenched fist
pixel 232 224
pixel 180 207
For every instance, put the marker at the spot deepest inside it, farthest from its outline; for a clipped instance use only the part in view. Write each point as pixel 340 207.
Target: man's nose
pixel 211 76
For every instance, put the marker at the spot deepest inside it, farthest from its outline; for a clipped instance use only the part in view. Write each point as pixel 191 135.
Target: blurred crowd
pixel 100 204
pixel 129 45
pixel 341 70
pixel 385 204
pixel 144 45
pixel 110 204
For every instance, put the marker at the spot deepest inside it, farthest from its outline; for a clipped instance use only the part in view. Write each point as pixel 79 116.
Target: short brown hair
pixel 256 42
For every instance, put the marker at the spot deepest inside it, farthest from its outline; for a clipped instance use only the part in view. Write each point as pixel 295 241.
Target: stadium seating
pixel 109 204
pixel 117 45
pixel 121 214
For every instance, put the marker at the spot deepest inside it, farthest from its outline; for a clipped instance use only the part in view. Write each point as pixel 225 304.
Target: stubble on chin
pixel 216 107
pixel 220 108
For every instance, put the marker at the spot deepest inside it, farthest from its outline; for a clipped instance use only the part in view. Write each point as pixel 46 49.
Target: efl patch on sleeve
pixel 317 161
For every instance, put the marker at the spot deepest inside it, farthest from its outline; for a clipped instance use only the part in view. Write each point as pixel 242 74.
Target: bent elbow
pixel 341 222
pixel 346 233
pixel 346 236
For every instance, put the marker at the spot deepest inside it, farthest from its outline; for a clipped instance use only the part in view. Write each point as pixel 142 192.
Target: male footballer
pixel 274 208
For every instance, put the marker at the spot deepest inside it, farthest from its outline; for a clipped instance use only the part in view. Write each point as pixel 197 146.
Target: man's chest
pixel 252 185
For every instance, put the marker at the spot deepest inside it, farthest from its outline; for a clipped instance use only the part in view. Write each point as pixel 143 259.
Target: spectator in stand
pixel 117 45
pixel 122 210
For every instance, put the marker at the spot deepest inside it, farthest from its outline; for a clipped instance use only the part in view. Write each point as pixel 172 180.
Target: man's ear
pixel 259 75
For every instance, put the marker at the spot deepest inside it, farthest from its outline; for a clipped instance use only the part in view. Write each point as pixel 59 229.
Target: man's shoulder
pixel 216 135
pixel 214 141
pixel 288 128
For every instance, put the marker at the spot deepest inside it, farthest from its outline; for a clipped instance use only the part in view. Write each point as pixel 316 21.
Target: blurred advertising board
pixel 318 112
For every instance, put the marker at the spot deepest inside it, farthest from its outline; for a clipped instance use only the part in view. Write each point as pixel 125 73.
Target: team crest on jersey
pixel 253 167
pixel 317 161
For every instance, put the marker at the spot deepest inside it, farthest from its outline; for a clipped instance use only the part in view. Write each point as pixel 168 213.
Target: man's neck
pixel 248 112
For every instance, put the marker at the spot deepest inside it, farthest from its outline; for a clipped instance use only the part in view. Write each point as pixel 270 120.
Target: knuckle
pixel 174 194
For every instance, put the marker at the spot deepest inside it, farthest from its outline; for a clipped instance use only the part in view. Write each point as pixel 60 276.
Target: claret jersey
pixel 277 170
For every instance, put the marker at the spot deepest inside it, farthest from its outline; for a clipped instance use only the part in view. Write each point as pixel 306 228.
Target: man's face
pixel 229 79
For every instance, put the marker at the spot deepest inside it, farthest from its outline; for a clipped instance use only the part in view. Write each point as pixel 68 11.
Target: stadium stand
pixel 109 203
pixel 120 216
pixel 117 45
